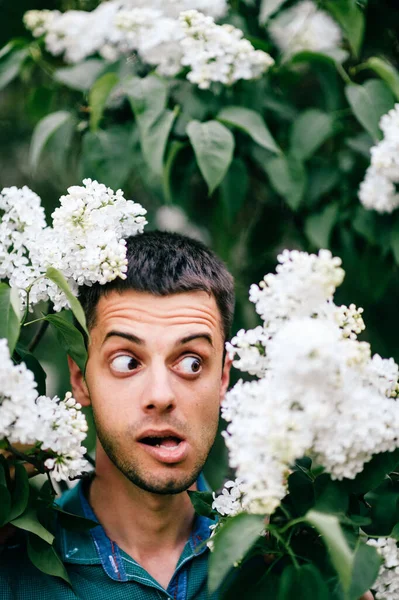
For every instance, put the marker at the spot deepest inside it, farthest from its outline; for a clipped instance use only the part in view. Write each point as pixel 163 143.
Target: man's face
pixel 155 378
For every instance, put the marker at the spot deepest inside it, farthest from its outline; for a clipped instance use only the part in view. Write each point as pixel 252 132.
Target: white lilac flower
pixel 38 21
pixel 350 320
pixel 264 436
pixel 228 503
pixel 301 285
pixel 116 28
pixel 386 587
pixel 172 8
pixel 218 53
pixel 154 36
pixel 378 189
pixel 86 242
pixel 61 431
pixel 90 226
pixel 57 427
pixel 17 399
pixel 248 350
pixel 304 27
pixel 22 220
pixel 320 392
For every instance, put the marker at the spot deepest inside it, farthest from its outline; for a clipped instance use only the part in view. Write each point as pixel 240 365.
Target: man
pixel 155 376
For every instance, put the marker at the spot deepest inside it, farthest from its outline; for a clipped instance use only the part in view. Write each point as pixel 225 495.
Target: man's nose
pixel 159 395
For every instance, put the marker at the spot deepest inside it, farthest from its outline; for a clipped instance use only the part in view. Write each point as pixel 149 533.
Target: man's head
pixel 155 374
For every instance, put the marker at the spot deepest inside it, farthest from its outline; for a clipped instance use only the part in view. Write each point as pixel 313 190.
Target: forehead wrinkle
pixel 135 313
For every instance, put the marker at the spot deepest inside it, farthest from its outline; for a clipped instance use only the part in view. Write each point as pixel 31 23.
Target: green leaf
pixel 318 226
pixel 202 503
pixel 57 277
pixel 73 522
pixel 231 543
pixel 98 97
pixel 148 97
pixel 386 71
pixel 365 570
pixel 45 558
pixel 331 496
pixel 29 521
pixel 71 340
pixel 361 144
pixel 107 155
pixel 341 555
pixel 82 76
pixel 329 57
pixel 11 46
pixel 309 131
pixel 303 583
pixel 384 511
pixel 5 498
pixel 395 532
pixel 288 177
pixel 369 102
pixel 252 123
pixel 20 493
pixel 9 321
pixel 268 8
pixel 351 18
pixel 43 131
pixel 301 492
pixel 234 188
pixel 323 178
pixel 174 149
pixel 33 365
pixel 213 146
pixel 154 139
pixel 374 472
pixel 10 65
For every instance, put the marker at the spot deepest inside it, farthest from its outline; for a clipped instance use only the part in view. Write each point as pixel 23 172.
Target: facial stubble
pixel 176 484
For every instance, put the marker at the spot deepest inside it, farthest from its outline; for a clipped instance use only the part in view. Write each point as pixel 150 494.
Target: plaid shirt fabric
pixel 99 570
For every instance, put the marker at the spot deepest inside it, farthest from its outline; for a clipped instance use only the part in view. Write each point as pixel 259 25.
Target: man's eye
pixel 124 364
pixel 190 365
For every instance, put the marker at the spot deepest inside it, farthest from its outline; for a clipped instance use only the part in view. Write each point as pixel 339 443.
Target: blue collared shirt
pixel 100 570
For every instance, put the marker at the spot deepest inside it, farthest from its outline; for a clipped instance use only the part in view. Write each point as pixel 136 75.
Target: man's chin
pixel 163 487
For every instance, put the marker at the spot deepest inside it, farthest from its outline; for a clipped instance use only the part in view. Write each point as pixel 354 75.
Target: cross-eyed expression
pixel 155 378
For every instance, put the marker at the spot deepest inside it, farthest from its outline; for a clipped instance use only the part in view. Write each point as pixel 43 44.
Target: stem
pixel 291 524
pixel 90 460
pixel 26 312
pixel 34 321
pixel 285 511
pixel 24 457
pixel 39 334
pixel 23 322
pixel 287 547
pixel 343 73
pixel 362 67
pixel 51 483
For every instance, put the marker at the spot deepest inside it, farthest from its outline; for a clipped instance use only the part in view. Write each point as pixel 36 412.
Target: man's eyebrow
pixel 195 336
pixel 126 336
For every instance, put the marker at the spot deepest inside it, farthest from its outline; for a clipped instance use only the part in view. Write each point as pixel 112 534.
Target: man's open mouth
pixel 169 441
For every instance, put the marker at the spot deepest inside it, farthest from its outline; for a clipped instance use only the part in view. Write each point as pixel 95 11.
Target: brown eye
pixel 191 365
pixel 124 364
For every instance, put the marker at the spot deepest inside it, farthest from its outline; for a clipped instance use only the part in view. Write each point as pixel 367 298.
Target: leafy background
pixel 285 175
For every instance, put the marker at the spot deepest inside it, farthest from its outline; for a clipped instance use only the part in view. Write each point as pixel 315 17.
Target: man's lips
pixel 166 445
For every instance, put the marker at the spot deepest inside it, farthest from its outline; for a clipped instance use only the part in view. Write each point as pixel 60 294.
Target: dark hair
pixel 165 263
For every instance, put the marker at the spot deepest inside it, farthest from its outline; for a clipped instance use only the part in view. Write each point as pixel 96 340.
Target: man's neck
pixel 153 529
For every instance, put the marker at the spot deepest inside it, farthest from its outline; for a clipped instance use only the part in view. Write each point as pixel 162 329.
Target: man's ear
pixel 79 388
pixel 225 376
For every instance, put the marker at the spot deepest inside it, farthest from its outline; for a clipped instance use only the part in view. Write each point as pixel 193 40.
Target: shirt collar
pixel 94 547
